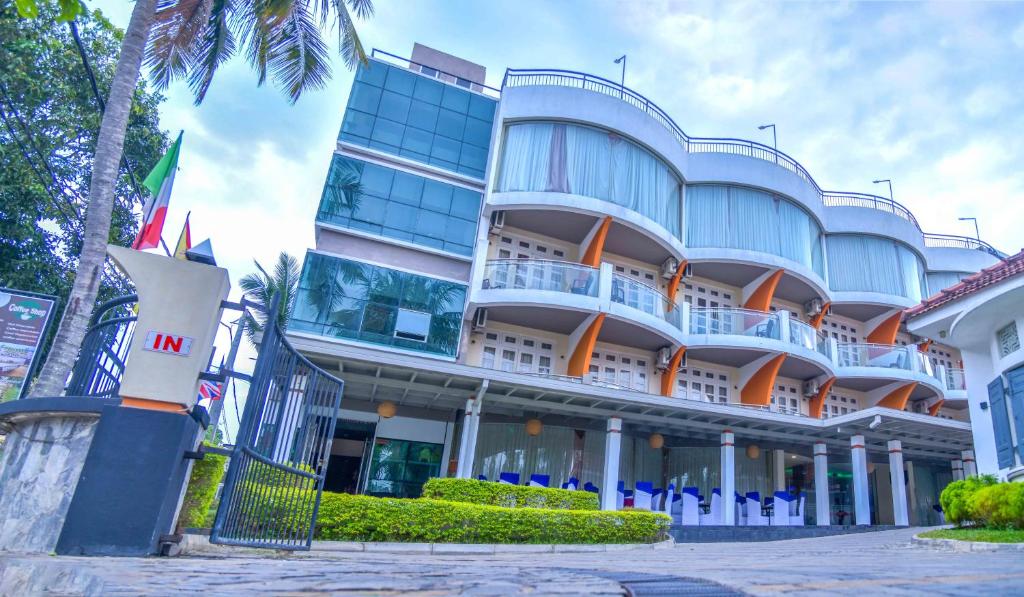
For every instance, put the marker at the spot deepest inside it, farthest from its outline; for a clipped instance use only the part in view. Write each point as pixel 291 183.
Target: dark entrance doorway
pixel 349 452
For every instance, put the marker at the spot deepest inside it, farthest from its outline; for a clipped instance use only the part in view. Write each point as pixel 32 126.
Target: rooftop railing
pixel 515 77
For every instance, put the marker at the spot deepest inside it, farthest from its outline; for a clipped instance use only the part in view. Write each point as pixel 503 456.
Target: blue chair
pixel 656 497
pixel 644 495
pixel 539 480
pixel 510 478
pixel 620 499
pixel 588 486
pixel 573 483
pixel 481 477
pixel 754 516
pixel 714 514
pixel 741 509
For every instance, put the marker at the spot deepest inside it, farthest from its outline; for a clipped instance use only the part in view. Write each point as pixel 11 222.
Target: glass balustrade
pixel 635 294
pixel 537 274
pixel 875 355
pixel 734 322
pixel 804 335
pixel 955 380
pixel 924 364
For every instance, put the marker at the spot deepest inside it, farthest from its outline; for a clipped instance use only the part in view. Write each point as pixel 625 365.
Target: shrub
pixel 509 496
pixel 202 487
pixel 956 498
pixel 999 506
pixel 345 517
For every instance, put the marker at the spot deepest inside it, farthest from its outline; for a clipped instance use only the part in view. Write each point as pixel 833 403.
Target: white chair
pixel 714 515
pixel 620 495
pixel 939 513
pixel 539 480
pixel 741 510
pixel 691 507
pixel 670 496
pixel 642 495
pixel 754 516
pixel 656 499
pixel 796 511
pixel 781 502
pixel 510 478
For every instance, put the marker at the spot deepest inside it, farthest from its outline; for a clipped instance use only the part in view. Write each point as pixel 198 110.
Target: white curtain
pixel 506 447
pixel 874 264
pixel 526 158
pixel 702 468
pixel 638 461
pixel 941 280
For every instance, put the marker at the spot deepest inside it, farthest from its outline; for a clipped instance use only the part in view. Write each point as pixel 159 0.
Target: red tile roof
pixel 1007 268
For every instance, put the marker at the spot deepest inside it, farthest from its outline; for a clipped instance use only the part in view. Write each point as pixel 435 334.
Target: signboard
pixel 24 319
pixel 169 343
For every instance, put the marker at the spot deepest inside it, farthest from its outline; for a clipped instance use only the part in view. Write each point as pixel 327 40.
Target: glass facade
pixel 340 298
pixel 398 111
pixel 732 217
pixel 581 160
pixel 941 280
pixel 862 263
pixel 400 468
pixel 395 204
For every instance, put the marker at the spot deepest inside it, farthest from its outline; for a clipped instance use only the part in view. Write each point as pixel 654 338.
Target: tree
pixel 48 130
pixel 191 38
pixel 260 288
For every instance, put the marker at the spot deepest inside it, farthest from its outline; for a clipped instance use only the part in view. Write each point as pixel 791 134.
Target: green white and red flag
pixel 159 182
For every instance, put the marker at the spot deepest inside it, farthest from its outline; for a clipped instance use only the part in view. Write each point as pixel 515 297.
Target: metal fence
pixel 272 490
pixel 101 360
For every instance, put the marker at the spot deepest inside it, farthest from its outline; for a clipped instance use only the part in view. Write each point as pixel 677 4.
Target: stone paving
pixel 885 562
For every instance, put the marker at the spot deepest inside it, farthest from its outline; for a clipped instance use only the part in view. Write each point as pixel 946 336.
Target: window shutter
pixel 1000 423
pixel 1016 379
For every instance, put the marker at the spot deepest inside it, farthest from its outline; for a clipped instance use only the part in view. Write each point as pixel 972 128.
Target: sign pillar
pixel 728 478
pixel 822 507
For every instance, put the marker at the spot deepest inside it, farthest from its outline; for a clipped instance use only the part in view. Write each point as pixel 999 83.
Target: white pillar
pixel 728 478
pixel 612 449
pixel 861 499
pixel 780 469
pixel 823 508
pixel 912 494
pixel 958 470
pixel 969 465
pixel 465 467
pixel 899 488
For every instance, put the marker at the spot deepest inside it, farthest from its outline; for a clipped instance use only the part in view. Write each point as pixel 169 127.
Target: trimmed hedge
pixel 489 493
pixel 345 517
pixel 956 498
pixel 999 506
pixel 202 488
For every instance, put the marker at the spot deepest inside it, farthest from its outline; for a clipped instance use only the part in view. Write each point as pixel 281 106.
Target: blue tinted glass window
pixel 364 98
pixel 465 204
pixel 400 81
pixel 446 149
pixel 473 157
pixel 372 73
pixel 451 124
pixel 375 180
pixel 455 99
pixel 482 108
pixel 417 141
pixel 370 209
pixel 431 224
pixel 357 124
pixel 460 231
pixel 407 188
pixel 385 131
pixel 437 196
pixel 478 132
pixel 394 106
pixel 400 216
pixel 428 91
pixel 423 115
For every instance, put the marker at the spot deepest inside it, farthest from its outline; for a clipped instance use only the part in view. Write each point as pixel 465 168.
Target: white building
pixel 981 317
pixel 553 278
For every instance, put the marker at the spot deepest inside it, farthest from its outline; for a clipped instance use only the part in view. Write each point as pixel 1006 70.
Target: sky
pixel 929 95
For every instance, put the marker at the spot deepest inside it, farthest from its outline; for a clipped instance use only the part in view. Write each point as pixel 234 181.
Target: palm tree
pixel 187 39
pixel 261 288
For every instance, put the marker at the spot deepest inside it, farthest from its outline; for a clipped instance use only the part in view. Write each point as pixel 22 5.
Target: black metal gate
pixel 101 360
pixel 272 489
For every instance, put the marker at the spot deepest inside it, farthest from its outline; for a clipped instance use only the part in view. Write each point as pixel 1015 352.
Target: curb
pixel 200 545
pixel 966 546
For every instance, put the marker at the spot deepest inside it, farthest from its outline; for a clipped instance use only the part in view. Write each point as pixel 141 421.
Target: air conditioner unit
pixel 668 269
pixel 811 387
pixel 688 271
pixel 664 356
pixel 813 307
pixel 497 221
pixel 479 320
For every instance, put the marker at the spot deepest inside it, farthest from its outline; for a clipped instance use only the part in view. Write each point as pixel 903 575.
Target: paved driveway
pixel 863 564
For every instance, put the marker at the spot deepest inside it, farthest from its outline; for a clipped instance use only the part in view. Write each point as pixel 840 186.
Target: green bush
pixel 488 493
pixel 956 498
pixel 202 487
pixel 999 506
pixel 345 517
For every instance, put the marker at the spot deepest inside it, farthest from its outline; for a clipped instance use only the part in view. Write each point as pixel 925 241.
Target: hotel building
pixel 553 278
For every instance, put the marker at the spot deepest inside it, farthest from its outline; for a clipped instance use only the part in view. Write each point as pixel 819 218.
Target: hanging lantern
pixel 656 440
pixel 533 427
pixel 871 467
pixel 387 409
pixel 753 452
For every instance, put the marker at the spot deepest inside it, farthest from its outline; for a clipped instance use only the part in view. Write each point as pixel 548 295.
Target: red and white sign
pixel 168 343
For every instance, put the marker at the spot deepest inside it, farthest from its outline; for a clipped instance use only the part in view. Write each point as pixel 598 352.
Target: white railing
pixel 875 355
pixel 734 322
pixel 805 335
pixel 955 380
pixel 636 294
pixel 536 274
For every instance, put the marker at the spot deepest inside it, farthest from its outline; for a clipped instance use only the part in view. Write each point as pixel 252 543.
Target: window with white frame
pixel 515 353
pixel 786 397
pixel 1007 339
pixel 839 404
pixel 703 384
pixel 624 370
pixel 708 299
pixel 529 275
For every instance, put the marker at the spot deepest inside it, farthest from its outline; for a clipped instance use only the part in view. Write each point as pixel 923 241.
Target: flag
pixel 159 183
pixel 184 241
pixel 209 391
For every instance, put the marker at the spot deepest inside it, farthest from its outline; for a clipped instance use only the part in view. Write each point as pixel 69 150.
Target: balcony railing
pixel 734 322
pixel 636 294
pixel 805 335
pixel 951 241
pixel 753 149
pixel 955 380
pixel 536 274
pixel 875 355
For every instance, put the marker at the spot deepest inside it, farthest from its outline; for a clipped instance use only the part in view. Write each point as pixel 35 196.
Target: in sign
pixel 169 343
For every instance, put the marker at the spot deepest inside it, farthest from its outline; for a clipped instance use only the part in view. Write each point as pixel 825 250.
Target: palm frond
pixel 297 58
pixel 177 27
pixel 216 45
pixel 362 8
pixel 349 44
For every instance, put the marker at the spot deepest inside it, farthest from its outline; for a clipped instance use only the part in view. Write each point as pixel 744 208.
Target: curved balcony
pixel 866 367
pixel 737 337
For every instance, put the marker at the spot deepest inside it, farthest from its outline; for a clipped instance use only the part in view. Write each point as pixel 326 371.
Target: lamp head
pixel 765 126
pixel 620 59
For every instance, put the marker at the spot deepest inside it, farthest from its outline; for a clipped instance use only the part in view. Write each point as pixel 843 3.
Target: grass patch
pixel 983 535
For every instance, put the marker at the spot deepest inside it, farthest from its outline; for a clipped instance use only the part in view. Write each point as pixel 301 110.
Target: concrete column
pixel 822 506
pixel 912 494
pixel 779 458
pixel 861 499
pixel 612 450
pixel 958 470
pixel 899 488
pixel 728 478
pixel 969 465
pixel 465 467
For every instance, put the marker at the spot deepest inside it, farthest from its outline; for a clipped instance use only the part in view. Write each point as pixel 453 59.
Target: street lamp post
pixel 886 180
pixel 775 141
pixel 977 234
pixel 622 86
